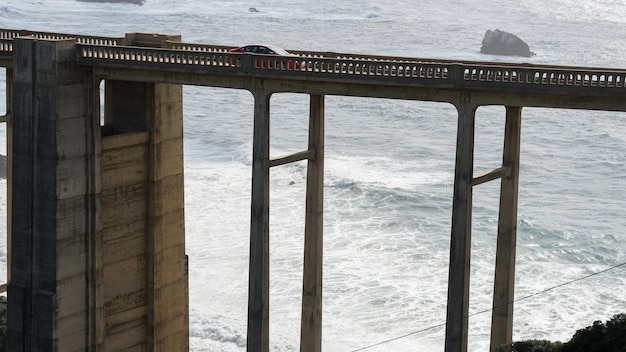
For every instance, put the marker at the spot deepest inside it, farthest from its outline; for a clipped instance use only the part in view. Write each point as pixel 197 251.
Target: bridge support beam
pixel 98 252
pixel 145 274
pixel 311 326
pixel 504 284
pixel 259 286
pixel 9 162
pixel 460 243
pixel 51 296
pixel 144 282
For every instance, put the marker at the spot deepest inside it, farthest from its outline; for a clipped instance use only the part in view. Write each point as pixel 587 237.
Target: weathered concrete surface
pixel 98 256
pixel 3 166
pixel 51 293
pixel 136 2
pixel 143 237
pixel 503 43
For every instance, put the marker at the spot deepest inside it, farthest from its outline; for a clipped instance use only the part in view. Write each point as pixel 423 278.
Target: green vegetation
pixel 532 346
pixel 599 337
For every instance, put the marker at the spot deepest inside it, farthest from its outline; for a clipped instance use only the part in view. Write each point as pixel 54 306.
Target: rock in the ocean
pixel 136 2
pixel 502 43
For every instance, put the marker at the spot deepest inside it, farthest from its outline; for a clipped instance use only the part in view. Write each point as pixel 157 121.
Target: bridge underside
pixel 97 227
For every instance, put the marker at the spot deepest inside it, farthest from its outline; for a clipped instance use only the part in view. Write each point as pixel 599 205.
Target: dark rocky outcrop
pixel 136 2
pixel 502 43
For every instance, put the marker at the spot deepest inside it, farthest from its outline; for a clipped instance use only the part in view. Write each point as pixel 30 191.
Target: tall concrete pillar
pixel 143 237
pixel 98 245
pixel 504 283
pixel 259 287
pixel 311 326
pixel 9 167
pixel 460 242
pixel 51 297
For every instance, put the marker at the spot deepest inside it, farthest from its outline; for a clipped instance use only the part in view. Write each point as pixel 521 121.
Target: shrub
pixel 599 337
pixel 532 346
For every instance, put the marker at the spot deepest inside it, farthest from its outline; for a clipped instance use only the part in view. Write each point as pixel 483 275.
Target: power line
pixel 491 309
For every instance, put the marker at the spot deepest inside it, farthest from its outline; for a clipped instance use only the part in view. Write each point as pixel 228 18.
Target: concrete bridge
pixel 96 231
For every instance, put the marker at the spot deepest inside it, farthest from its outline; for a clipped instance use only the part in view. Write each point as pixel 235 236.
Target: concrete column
pixel 460 243
pixel 51 294
pixel 168 279
pixel 504 284
pixel 311 326
pixel 259 287
pixel 143 220
pixel 9 166
pixel 145 279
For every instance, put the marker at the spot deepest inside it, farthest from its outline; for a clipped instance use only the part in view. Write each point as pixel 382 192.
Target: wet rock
pixel 503 43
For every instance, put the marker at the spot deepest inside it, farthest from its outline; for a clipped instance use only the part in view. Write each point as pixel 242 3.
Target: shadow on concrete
pixel 3 166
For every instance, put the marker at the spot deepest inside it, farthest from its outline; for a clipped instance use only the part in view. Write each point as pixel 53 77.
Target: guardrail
pixel 203 57
pixel 246 63
pixel 9 34
pixel 564 76
pixel 108 51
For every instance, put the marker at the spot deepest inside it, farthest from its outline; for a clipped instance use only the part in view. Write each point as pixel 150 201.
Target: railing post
pixel 460 243
pixel 258 288
pixel 504 284
pixel 311 326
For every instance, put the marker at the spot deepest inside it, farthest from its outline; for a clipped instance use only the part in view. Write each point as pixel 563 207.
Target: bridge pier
pixel 259 272
pixel 460 244
pixel 97 237
pixel 311 326
pixel 51 295
pixel 9 162
pixel 258 290
pixel 504 282
pixel 144 283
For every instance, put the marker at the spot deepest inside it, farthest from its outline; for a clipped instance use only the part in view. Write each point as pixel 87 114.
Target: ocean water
pixel 389 171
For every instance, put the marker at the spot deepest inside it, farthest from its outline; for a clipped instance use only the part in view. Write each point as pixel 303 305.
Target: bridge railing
pixel 194 47
pixel 378 69
pixel 545 76
pixel 204 58
pixel 9 35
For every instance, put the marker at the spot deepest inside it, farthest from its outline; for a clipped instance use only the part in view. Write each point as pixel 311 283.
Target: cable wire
pixel 491 309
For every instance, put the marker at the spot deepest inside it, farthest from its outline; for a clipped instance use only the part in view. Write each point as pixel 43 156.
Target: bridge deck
pixel 347 74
